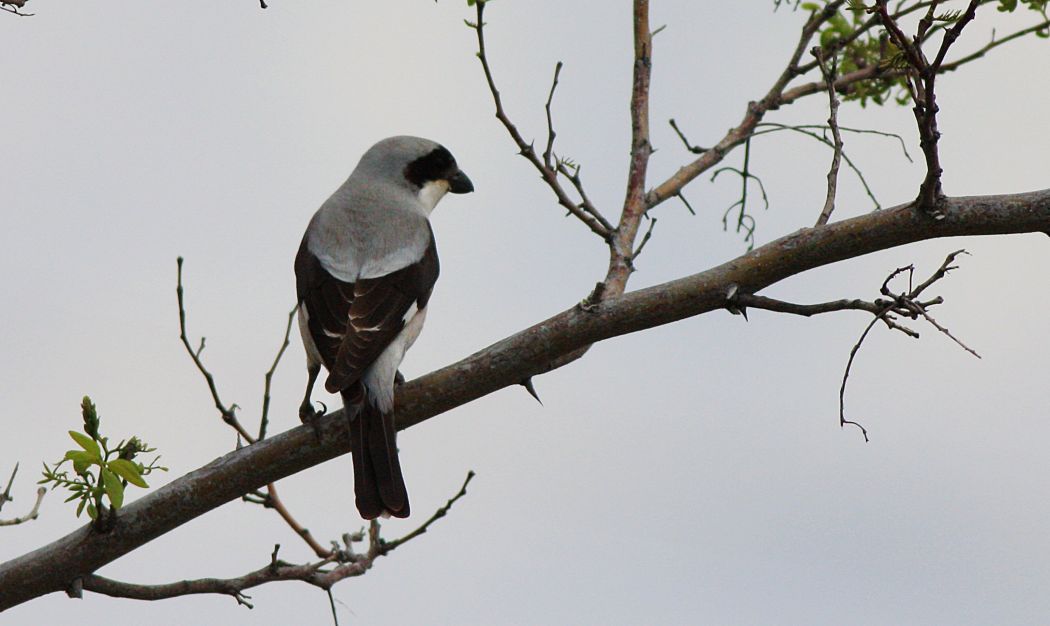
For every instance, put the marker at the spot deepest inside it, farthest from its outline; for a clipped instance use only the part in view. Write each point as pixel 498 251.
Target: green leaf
pixel 92 511
pixel 80 507
pixel 87 443
pixel 82 460
pixel 114 488
pixel 128 471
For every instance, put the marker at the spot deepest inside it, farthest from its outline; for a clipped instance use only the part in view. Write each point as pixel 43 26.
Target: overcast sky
pixel 691 474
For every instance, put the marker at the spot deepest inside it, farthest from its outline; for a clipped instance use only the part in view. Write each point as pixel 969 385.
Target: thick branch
pixel 621 247
pixel 506 363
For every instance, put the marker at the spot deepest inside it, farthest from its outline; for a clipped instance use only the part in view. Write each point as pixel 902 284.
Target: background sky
pixel 690 474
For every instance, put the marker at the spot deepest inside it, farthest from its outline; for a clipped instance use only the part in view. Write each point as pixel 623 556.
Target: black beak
pixel 459 183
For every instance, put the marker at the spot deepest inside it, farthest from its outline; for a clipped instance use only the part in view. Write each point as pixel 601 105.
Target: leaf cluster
pixel 100 473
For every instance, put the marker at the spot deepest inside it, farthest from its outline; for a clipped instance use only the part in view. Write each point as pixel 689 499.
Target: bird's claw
pixel 311 417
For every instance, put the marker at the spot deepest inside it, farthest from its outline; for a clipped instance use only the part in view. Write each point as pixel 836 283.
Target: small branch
pixel 773 98
pixel 346 563
pixel 6 495
pixel 548 174
pixel 645 239
pixel 441 512
pixel 228 413
pixel 774 127
pixel 264 419
pixel 688 146
pixel 31 515
pixel 586 205
pixel 833 173
pixel 550 120
pixel 273 500
pixel 806 310
pixel 845 376
pixel 994 43
pixel 922 75
pixel 744 220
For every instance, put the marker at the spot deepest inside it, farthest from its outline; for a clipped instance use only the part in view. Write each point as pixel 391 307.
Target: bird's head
pixel 425 166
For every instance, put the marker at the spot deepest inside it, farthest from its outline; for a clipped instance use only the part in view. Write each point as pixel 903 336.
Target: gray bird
pixel 364 273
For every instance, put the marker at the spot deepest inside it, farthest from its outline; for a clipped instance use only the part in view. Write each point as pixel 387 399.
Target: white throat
pixel 431 193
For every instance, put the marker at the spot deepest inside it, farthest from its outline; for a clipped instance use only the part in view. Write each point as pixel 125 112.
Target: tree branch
pixel 506 363
pixel 755 112
pixel 526 149
pixel 31 515
pixel 347 564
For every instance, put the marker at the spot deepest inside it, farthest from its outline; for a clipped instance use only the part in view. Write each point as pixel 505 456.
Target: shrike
pixel 363 274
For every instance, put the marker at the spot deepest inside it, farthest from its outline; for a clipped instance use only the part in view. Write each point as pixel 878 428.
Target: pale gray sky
pixel 692 474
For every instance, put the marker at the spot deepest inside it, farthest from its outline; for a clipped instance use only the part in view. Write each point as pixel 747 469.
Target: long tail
pixel 378 485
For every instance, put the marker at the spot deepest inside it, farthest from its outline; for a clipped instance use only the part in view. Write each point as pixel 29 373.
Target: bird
pixel 364 274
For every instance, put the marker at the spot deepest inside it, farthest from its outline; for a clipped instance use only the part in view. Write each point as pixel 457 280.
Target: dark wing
pixel 351 323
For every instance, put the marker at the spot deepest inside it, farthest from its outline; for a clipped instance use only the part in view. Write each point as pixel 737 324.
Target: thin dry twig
pixel 547 173
pixel 339 565
pixel 31 515
pixel 906 304
pixel 264 419
pixel 228 413
pixel 5 497
pixel 830 73
pixel 271 499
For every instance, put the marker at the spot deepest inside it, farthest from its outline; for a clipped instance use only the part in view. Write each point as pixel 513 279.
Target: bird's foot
pixel 311 417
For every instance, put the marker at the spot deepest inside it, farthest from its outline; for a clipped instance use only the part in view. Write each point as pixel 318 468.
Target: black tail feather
pixel 378 483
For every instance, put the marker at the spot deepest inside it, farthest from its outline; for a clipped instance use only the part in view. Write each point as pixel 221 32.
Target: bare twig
pixel 845 376
pixel 773 98
pixel 774 127
pixel 526 149
pixel 31 515
pixel 745 221
pixel 336 566
pixel 994 43
pixel 645 239
pixel 6 495
pixel 830 73
pixel 695 149
pixel 271 499
pixel 264 419
pixel 228 413
pixel 550 120
pixel 387 547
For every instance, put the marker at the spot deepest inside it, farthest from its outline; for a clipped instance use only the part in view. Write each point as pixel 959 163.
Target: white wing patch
pixel 379 377
pixel 313 355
